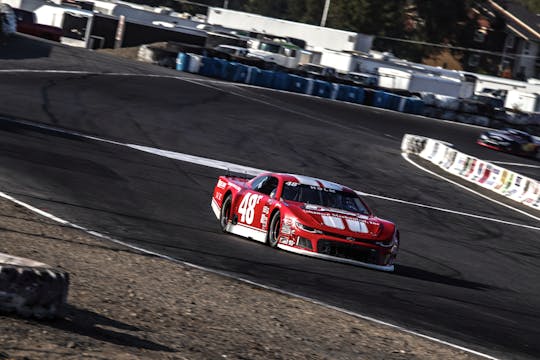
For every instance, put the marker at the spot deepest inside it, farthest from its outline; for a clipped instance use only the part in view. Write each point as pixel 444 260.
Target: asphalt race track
pixel 471 281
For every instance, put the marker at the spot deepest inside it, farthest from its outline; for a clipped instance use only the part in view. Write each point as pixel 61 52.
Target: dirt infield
pixel 127 305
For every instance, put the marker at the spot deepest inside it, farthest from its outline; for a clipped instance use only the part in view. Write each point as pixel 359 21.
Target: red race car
pixel 307 216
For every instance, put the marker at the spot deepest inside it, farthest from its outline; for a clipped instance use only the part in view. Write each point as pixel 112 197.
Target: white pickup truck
pixel 278 52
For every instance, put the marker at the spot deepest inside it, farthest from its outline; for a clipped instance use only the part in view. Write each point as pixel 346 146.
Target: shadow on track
pixel 25 47
pixel 419 274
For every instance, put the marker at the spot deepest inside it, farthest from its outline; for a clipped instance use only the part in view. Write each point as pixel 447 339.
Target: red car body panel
pixel 308 229
pixel 39 30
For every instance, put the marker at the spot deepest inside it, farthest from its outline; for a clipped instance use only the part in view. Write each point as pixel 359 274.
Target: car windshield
pixel 324 197
pixel 269 47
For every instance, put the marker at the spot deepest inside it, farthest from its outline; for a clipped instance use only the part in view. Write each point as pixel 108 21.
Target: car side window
pixel 266 185
pixel 257 182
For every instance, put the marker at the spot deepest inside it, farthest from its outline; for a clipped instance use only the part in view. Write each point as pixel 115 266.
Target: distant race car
pixel 512 141
pixel 307 216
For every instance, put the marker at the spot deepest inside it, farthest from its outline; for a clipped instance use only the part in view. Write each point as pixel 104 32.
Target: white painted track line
pixel 242 169
pixel 230 275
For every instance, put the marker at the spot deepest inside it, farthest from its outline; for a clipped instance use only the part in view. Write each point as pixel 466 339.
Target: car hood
pixel 342 222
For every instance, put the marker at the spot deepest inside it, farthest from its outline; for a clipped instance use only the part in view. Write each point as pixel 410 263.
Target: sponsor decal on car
pixel 221 184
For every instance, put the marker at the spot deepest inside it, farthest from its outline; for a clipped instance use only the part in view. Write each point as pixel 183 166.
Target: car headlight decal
pixel 308 228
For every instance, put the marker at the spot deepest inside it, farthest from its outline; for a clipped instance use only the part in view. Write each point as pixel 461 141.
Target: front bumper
pixel 296 250
pixel 356 252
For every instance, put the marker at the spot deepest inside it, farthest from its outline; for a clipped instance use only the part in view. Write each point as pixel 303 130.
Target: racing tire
pixel 272 238
pixel 33 291
pixel 225 214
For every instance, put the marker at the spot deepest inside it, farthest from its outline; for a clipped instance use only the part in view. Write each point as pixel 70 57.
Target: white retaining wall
pixel 495 178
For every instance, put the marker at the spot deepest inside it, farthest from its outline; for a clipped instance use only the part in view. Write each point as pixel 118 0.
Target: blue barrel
pixel 207 66
pixel 381 99
pixel 230 70
pixel 418 106
pixel 333 90
pixel 264 78
pixel 182 61
pixel 240 74
pixel 220 68
pixel 394 101
pixel 280 81
pixel 255 73
pixel 360 95
pixel 250 71
pixel 369 96
pixel 322 88
pixel 347 93
pixel 298 84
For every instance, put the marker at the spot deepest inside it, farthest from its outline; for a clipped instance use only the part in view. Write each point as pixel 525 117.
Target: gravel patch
pixel 124 304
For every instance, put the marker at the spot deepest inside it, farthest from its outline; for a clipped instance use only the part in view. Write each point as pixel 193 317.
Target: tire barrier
pixel 236 72
pixel 495 178
pixel 29 288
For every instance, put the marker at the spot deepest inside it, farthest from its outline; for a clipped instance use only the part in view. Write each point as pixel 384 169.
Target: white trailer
pixel 76 32
pixel 486 83
pixel 394 79
pixel 315 36
pixel 341 61
pixel 522 101
pixel 416 81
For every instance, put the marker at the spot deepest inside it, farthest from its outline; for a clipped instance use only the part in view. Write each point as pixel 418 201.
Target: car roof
pixel 311 181
pixel 231 47
pixel 515 131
